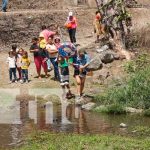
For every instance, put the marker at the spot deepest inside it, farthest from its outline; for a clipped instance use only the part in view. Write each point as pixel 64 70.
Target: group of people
pixel 48 50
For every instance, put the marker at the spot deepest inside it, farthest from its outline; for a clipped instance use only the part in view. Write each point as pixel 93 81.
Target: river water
pixel 52 118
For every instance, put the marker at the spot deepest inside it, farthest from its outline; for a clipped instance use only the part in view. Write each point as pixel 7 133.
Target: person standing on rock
pixel 80 71
pixel 4 5
pixel 71 25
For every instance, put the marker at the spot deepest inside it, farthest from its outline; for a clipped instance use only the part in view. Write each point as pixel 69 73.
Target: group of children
pixel 18 61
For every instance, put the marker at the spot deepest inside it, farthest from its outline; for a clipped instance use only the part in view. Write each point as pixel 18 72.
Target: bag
pixel 68 25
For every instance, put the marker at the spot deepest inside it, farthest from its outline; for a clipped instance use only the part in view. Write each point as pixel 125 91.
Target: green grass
pixel 115 109
pixel 47 141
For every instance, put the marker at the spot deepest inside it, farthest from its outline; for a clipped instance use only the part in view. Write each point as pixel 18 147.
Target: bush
pixel 134 93
pixel 147 113
pixel 115 109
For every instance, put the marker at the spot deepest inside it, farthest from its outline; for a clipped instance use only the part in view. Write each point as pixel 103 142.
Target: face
pixel 21 51
pixel 57 40
pixel 50 40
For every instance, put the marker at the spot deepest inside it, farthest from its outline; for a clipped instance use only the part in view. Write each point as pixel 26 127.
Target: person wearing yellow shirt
pixel 25 63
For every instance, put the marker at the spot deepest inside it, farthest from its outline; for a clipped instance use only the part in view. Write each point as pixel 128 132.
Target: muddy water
pixel 71 120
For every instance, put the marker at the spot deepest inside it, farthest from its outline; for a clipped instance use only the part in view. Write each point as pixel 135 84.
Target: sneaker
pixel 21 81
pixel 27 81
pixel 9 82
pixel 16 81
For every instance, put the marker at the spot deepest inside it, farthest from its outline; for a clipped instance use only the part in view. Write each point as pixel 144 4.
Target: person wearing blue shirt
pixel 80 70
pixel 4 5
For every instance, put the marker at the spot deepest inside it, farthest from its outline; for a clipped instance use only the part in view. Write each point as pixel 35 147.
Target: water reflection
pixel 67 118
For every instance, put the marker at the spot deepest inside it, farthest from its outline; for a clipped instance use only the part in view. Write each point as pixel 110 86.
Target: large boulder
pixel 107 57
pixel 95 64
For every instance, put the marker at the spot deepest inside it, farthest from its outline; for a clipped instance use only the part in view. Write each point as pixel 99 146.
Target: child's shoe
pixel 9 82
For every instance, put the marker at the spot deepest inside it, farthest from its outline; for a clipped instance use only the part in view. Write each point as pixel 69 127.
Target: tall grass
pixel 135 92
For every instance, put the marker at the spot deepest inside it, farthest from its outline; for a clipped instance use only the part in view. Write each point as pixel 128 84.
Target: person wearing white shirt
pixel 11 60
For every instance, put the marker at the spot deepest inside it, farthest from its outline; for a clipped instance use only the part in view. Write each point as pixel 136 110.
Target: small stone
pixel 88 106
pixel 123 125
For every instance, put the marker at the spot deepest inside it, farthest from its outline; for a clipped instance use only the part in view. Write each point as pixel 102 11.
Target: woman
pixel 39 59
pixel 71 25
pixel 53 54
pixel 82 61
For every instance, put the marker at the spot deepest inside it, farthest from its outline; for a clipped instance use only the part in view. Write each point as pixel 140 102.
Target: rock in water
pixel 95 64
pixel 88 106
pixel 107 57
pixel 122 125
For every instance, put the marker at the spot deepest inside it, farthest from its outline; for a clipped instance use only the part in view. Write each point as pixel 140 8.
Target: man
pixel 4 5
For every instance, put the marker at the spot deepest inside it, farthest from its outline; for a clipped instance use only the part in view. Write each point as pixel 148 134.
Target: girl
pixel 25 63
pixel 80 70
pixel 11 60
pixel 18 63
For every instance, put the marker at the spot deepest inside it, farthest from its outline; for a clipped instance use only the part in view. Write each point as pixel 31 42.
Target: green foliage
pixel 47 141
pixel 140 63
pixel 115 109
pixel 141 131
pixel 147 112
pixel 135 92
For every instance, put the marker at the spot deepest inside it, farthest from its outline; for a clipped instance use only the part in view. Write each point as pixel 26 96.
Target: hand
pixel 81 67
pixel 36 50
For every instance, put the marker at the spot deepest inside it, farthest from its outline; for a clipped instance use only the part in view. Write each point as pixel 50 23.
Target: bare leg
pixel 82 85
pixel 78 80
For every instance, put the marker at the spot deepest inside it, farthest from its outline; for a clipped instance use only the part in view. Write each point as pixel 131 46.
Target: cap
pixel 41 35
pixel 70 13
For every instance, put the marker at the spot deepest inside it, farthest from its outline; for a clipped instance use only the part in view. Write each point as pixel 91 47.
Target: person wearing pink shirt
pixel 71 25
pixel 47 33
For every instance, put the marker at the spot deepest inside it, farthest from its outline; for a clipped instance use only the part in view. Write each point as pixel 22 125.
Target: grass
pixel 134 92
pixel 115 109
pixel 47 141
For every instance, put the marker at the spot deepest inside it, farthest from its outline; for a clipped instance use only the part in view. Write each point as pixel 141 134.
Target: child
pixel 64 76
pixel 11 60
pixel 44 54
pixel 19 57
pixel 80 71
pixel 25 63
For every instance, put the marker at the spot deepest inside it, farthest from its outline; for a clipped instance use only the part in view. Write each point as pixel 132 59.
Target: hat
pixel 41 35
pixel 70 13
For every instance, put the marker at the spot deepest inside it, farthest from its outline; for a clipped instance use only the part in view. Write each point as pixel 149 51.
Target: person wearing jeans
pixel 71 25
pixel 12 72
pixel 53 54
pixel 25 75
pixel 56 69
pixel 4 5
pixel 72 35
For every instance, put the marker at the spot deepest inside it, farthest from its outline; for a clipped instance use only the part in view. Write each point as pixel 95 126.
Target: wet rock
pixel 133 110
pixel 107 57
pixel 95 64
pixel 102 49
pixel 88 106
pixel 123 125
